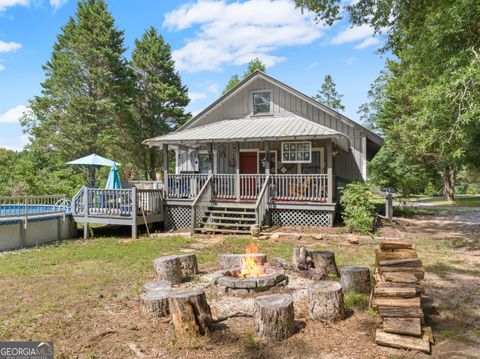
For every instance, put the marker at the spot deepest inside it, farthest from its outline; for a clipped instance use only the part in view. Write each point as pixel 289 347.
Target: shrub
pixel 430 190
pixel 473 189
pixel 358 208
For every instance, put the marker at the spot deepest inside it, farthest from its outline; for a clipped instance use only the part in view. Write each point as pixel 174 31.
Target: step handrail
pixel 201 202
pixel 261 205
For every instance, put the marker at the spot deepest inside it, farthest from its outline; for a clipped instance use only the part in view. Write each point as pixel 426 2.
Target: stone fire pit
pixel 230 281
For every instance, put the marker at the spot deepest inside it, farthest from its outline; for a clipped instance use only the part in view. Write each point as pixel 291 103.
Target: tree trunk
pixel 168 269
pixel 325 299
pixel 449 183
pixel 355 279
pixel 191 314
pixel 153 159
pixel 324 261
pixel 91 176
pixel 155 302
pixel 274 316
pixel 189 265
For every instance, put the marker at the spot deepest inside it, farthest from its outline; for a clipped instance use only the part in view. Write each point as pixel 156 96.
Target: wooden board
pixel 398 302
pixel 396 245
pixel 408 326
pixel 381 255
pixel 408 292
pixel 402 341
pixel 419 272
pixel 400 312
pixel 399 277
pixel 407 262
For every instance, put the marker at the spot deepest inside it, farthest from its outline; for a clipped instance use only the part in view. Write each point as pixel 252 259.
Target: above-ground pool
pixel 23 225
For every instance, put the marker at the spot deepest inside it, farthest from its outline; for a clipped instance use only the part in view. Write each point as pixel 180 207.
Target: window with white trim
pixel 296 152
pixel 261 102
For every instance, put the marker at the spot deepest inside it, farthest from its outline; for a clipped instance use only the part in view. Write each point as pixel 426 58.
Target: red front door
pixel 248 165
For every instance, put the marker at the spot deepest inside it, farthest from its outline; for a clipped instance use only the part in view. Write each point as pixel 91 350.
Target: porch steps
pixel 228 218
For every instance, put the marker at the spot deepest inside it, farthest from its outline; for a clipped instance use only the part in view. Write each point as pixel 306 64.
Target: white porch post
pixel 210 159
pixel 165 168
pixel 330 186
pixel 267 158
pixel 237 171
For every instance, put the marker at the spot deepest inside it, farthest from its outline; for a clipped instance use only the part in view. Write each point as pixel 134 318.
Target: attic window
pixel 261 103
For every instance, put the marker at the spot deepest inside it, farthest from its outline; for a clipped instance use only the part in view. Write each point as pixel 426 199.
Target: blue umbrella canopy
pixel 92 160
pixel 114 181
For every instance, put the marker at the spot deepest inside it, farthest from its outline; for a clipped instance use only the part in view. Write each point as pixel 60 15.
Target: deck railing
pixel 185 186
pixel 117 203
pixel 27 206
pixel 303 187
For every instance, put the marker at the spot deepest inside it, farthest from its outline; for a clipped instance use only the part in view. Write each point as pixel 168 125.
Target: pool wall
pixel 14 234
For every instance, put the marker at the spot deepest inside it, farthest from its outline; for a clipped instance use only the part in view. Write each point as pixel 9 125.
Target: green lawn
pixel 460 201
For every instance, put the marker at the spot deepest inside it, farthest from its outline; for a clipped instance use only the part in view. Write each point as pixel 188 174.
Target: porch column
pixel 237 171
pixel 329 172
pixel 210 159
pixel 267 158
pixel 165 168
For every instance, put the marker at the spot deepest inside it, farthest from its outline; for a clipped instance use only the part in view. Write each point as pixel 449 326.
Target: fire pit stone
pixel 230 280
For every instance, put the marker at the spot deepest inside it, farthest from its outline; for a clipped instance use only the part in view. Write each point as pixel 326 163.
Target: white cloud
pixel 9 46
pixel 313 65
pixel 18 145
pixel 237 32
pixel 353 34
pixel 4 4
pixel 213 88
pixel 2 67
pixel 57 3
pixel 195 96
pixel 369 41
pixel 351 60
pixel 13 115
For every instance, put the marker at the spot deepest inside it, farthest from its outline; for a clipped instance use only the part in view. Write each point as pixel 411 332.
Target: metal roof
pixel 255 128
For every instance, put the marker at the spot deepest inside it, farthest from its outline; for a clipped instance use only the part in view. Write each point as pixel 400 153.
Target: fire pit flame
pixel 250 267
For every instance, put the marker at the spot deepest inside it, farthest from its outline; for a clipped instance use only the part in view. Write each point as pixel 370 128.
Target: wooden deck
pixel 130 207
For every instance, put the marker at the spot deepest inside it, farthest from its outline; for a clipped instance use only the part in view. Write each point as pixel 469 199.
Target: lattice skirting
pixel 178 217
pixel 302 217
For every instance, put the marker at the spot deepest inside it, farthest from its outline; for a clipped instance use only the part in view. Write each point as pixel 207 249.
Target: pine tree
pixel 84 104
pixel 254 65
pixel 160 97
pixel 329 96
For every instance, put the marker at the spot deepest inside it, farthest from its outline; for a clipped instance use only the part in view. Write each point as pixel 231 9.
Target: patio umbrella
pixel 92 161
pixel 114 181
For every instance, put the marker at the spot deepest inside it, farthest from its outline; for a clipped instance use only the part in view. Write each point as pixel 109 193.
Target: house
pixel 263 153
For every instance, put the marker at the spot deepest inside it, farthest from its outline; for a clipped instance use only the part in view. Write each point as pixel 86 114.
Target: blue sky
pixel 211 40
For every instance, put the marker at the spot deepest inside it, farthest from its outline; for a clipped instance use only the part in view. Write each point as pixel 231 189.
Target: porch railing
pixel 185 186
pixel 282 187
pixel 303 187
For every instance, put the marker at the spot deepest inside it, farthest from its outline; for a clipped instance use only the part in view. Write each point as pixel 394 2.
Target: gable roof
pixel 258 74
pixel 259 128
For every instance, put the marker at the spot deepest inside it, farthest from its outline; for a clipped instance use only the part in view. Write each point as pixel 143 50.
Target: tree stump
pixel 189 265
pixel 168 269
pixel 301 258
pixel 326 301
pixel 273 316
pixel 232 261
pixel 191 314
pixel 155 285
pixel 324 261
pixel 155 302
pixel 355 279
